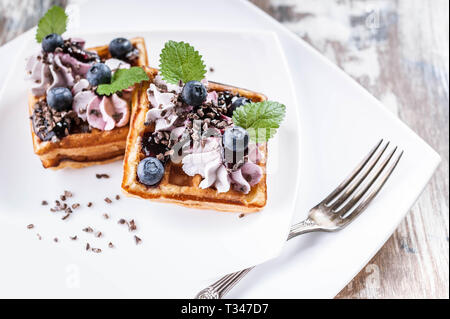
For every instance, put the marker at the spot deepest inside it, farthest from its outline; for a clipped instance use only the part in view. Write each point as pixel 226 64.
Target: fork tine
pixel 363 191
pixel 352 175
pixel 359 179
pixel 361 207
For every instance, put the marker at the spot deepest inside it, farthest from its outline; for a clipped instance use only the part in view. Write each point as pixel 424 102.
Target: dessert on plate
pixel 197 143
pixel 80 99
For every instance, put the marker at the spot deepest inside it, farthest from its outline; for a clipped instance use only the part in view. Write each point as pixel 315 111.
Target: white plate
pixel 175 239
pixel 339 122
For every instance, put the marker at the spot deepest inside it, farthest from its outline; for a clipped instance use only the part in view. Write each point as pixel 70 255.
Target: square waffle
pixel 176 186
pixel 85 149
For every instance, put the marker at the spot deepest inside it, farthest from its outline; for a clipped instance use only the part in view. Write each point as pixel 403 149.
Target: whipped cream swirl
pixel 206 160
pixel 55 69
pixel 106 112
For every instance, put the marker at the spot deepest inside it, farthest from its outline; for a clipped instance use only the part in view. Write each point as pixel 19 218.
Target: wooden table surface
pixel 399 51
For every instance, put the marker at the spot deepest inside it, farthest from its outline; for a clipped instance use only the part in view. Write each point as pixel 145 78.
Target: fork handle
pixel 221 287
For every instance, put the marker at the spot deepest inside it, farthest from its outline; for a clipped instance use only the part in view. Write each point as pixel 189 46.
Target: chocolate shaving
pixel 89 204
pixel 241 215
pixel 88 246
pixel 62 197
pixel 122 221
pixel 109 201
pixel 88 230
pixel 66 216
pixel 44 203
pixel 106 216
pixel 96 250
pixel 55 239
pixel 99 176
pixel 75 206
pixel 68 194
pixel 110 245
pixel 137 240
pixel 39 236
pixel 30 226
pixel 132 225
pixel 117 197
pixel 98 234
pixel 74 237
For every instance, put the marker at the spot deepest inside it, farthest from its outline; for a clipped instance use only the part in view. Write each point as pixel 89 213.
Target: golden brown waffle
pixel 86 149
pixel 177 187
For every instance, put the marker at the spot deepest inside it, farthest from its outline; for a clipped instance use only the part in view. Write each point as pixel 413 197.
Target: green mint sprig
pixel 180 61
pixel 123 79
pixel 261 119
pixel 54 21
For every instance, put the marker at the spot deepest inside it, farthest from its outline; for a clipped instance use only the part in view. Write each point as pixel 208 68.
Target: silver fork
pixel 335 212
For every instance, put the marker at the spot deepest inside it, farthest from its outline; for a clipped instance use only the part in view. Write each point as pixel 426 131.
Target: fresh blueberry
pixel 119 48
pixel 235 139
pixel 60 129
pixel 51 42
pixel 98 74
pixel 237 103
pixel 60 99
pixel 194 93
pixel 150 171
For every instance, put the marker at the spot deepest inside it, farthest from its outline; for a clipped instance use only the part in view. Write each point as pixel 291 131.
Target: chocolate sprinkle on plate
pixel 30 226
pixel 74 237
pixel 132 225
pixel 88 230
pixel 68 194
pixel 241 215
pixel 89 204
pixel 109 201
pixel 44 203
pixel 96 250
pixel 137 239
pixel 75 206
pixel 66 216
pixel 106 216
pixel 55 239
pixel 110 245
pixel 117 197
pixel 99 176
pixel 88 246
pixel 39 236
pixel 122 221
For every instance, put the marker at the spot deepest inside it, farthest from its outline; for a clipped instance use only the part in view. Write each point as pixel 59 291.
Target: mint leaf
pixel 261 119
pixel 179 61
pixel 123 79
pixel 54 21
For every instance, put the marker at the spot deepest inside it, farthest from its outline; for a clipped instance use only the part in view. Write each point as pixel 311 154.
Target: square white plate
pixel 339 122
pixel 205 243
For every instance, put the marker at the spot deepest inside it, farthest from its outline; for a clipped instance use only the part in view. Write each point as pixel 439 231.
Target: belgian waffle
pixel 177 187
pixel 86 149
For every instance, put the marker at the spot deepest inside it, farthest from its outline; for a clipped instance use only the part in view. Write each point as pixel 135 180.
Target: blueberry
pixel 60 99
pixel 51 42
pixel 237 103
pixel 194 93
pixel 119 48
pixel 150 171
pixel 60 129
pixel 98 74
pixel 235 141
